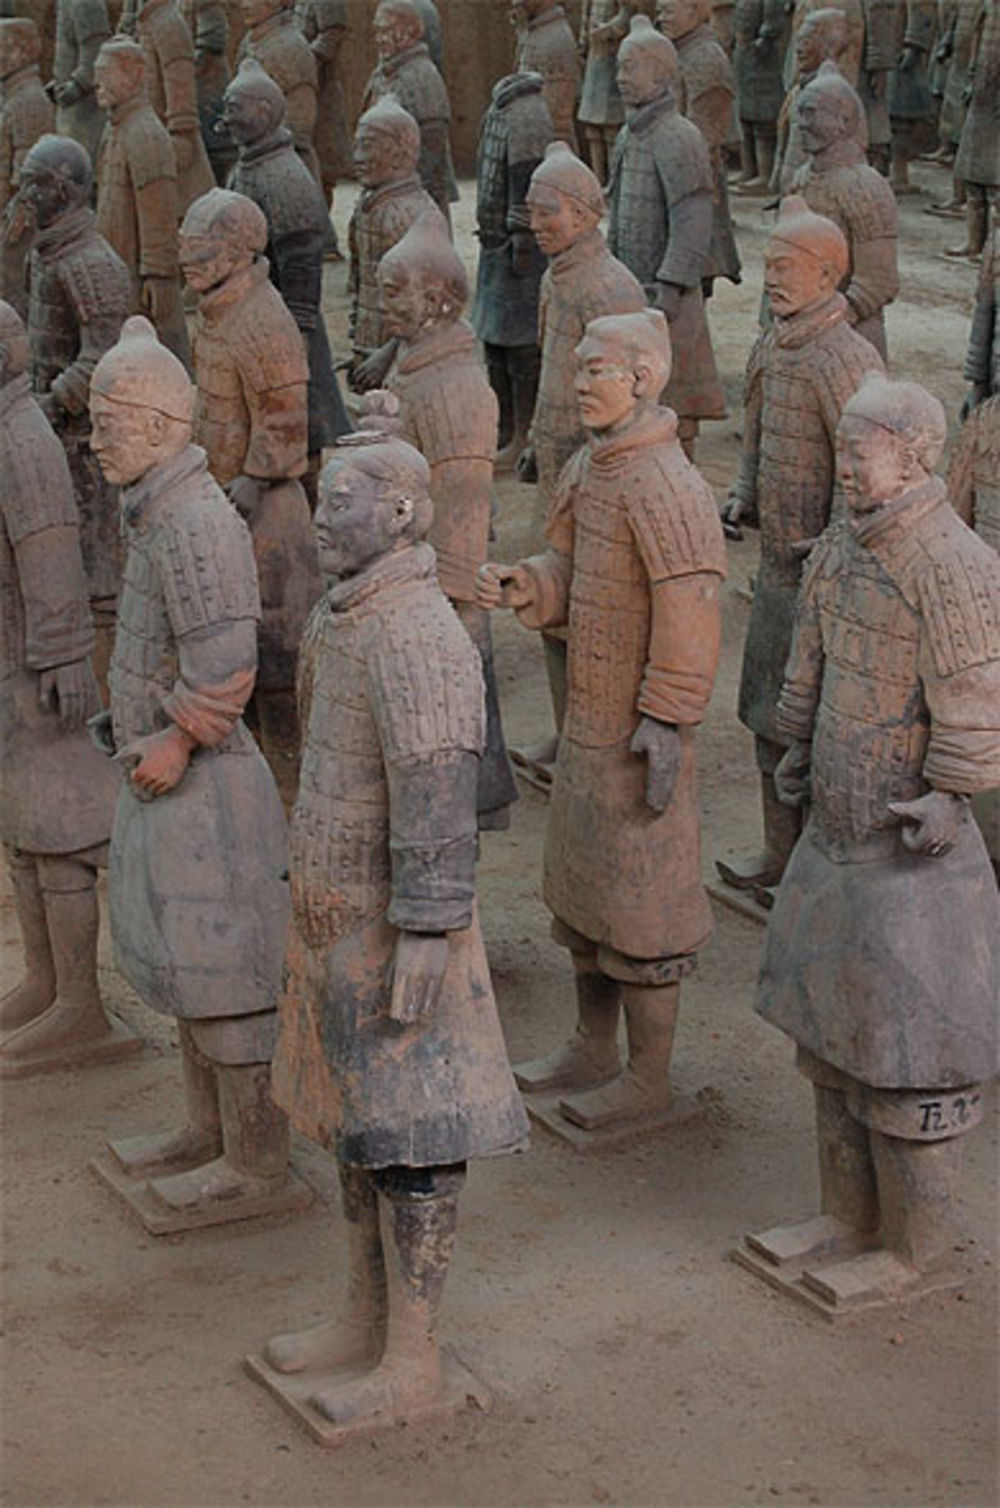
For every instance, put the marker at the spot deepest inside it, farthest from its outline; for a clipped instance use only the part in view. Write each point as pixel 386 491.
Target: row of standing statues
pixel 228 602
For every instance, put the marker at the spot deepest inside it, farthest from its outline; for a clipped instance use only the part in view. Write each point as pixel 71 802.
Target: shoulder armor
pixel 285 190
pixel 148 147
pixel 168 32
pixel 455 412
pixel 420 89
pixel 682 158
pixel 705 66
pixel 867 203
pixel 287 57
pixel 265 341
pixel 674 518
pixel 839 360
pixel 958 590
pixel 529 127
pixel 206 560
pixel 609 287
pixel 425 678
pixel 37 492
pixel 96 280
pixel 394 215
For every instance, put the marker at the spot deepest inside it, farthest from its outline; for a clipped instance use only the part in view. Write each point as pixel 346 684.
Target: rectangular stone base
pixel 544 1111
pixel 844 1285
pixel 293 1196
pixel 740 901
pixel 462 1389
pixel 119 1043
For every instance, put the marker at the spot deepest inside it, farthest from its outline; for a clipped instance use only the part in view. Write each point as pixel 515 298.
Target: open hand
pixel 417 973
pixel 661 744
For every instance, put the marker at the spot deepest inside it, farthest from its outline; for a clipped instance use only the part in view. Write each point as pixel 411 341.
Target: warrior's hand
pixel 527 465
pixel 417 973
pixel 668 300
pixel 157 296
pixel 791 777
pixel 245 494
pixel 162 760
pixel 502 586
pixel 69 93
pixel 74 691
pixel 977 394
pixel 661 744
pixel 183 150
pixel 930 823
pixel 730 513
pixel 101 732
pixel 372 372
pixel 522 252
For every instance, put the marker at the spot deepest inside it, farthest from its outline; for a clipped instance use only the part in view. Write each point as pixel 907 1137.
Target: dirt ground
pixel 631 1362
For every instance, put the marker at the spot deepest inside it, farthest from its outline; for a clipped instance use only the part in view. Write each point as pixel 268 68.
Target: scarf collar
pixel 839 154
pixel 807 324
pixel 587 249
pixel 888 525
pixel 505 91
pixel 236 287
pixel 138 501
pixel 67 231
pixel 644 117
pixel 372 196
pixel 392 65
pixel 126 108
pixel 14 82
pixel 410 563
pixel 657 428
pixel 280 140
pixel 451 338
pixel 555 13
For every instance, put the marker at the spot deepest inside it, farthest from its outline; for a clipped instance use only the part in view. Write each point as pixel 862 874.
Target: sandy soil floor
pixel 631 1361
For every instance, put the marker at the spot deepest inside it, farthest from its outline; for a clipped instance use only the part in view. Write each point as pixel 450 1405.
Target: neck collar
pixel 138 500
pixel 414 562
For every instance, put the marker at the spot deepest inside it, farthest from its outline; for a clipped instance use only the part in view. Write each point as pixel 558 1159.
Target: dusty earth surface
pixel 631 1362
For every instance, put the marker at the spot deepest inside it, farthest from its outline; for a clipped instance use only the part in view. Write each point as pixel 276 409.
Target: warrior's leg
pixel 748 154
pixel 765 140
pixel 276 716
pixel 540 757
pixel 496 788
pixel 357 1333
pixel 953 208
pixel 687 434
pixel 195 1143
pixel 597 152
pixel 642 1089
pixel 255 1141
pixel 76 1015
pixel 523 364
pixel 782 826
pixel 591 1055
pixel 976 216
pixel 37 989
pixel 420 1211
pixel 499 376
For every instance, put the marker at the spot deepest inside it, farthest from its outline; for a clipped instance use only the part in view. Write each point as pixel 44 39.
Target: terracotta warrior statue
pixel 80 294
pixel 800 374
pixel 26 113
pixel 198 901
pixel 405 72
pixel 448 411
pixel 822 38
pixel 386 151
pixel 273 38
pixel 761 32
pixel 977 164
pixel 661 221
pixel 912 108
pixel 82 28
pixel 974 476
pixel 168 48
pixel 137 191
pixel 705 92
pixel 838 183
pixel 603 24
pixel 882 958
pixel 582 282
pixel 208 24
pixel 634 538
pixel 390 1050
pixel 515 132
pixel 546 45
pixel 954 51
pixel 324 24
pixel 57 793
pixel 270 173
pixel 251 418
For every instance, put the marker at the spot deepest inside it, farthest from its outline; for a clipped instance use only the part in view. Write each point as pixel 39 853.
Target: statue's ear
pixel 402 515
pixel 645 380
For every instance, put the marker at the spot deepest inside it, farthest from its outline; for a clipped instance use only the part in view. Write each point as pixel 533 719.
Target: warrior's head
pixel 889 440
pixel 805 259
pixel 676 18
pixel 119 72
pixel 622 367
pixel 221 233
pixel 421 280
pixel 822 38
pixel 565 200
pixel 374 498
pixel 253 107
pixel 397 25
pixel 56 177
pixel 829 111
pixel 386 144
pixel 141 405
pixel 646 65
pixel 20 45
pixel 14 350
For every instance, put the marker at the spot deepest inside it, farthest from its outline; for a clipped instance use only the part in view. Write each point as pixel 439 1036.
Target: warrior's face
pixel 394 32
pixel 207 260
pixel 813 44
pixel 640 73
pixel 115 80
pixel 127 440
pixel 44 193
pixel 605 385
pixel 355 523
pixel 377 156
pixel 874 465
pixel 675 18
pixel 555 220
pixel 247 118
pixel 402 299
pixel 794 278
pixel 821 120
